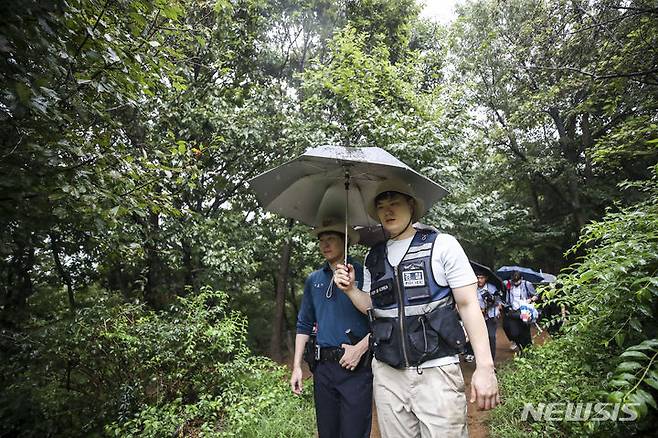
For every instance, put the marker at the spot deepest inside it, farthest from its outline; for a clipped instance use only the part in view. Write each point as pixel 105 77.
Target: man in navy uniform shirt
pixel 342 386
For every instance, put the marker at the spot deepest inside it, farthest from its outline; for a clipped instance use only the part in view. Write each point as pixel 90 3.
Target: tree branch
pixel 597 77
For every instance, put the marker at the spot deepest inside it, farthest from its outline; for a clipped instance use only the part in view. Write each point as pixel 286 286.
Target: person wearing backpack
pixel 519 292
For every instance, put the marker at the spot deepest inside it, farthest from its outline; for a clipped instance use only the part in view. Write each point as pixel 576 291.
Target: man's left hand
pixel 484 389
pixel 351 357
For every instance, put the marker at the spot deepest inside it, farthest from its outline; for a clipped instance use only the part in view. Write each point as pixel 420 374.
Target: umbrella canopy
pixel 548 278
pixel 336 181
pixel 491 276
pixel 505 272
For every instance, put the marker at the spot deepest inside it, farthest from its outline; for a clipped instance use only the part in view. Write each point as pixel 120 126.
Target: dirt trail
pixel 477 419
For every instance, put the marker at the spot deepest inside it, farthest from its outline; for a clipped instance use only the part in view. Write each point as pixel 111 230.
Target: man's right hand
pixel 344 277
pixel 296 380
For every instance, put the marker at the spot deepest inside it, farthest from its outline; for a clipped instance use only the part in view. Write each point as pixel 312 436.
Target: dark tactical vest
pixel 414 317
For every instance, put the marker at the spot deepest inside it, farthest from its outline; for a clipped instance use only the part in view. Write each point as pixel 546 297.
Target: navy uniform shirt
pixel 333 315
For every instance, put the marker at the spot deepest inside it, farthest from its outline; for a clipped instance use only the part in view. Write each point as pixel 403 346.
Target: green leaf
pixel 651 381
pixel 628 366
pixel 647 345
pixel 635 354
pixel 635 323
pixel 616 397
pixel 646 398
pixel 619 339
pixel 627 376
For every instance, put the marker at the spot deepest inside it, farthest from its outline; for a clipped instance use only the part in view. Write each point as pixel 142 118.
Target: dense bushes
pixel 120 369
pixel 607 351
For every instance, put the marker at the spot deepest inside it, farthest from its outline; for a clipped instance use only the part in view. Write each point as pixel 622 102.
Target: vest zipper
pixel 401 317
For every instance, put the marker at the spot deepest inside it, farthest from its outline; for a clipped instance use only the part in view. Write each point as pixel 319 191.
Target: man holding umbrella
pixel 418 384
pixel 342 381
pixel 414 280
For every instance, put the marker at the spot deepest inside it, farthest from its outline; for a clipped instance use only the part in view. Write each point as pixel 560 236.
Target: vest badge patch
pixel 413 278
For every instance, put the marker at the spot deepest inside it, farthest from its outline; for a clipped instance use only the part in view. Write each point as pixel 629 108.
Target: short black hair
pixel 390 195
pixel 516 276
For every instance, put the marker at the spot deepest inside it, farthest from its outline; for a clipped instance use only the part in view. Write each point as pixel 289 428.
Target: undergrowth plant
pixel 607 351
pixel 121 369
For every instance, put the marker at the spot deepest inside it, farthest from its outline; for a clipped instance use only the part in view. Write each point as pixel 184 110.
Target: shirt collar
pixel 327 268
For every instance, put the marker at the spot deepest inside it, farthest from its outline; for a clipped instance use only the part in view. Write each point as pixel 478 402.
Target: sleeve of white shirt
pixel 450 265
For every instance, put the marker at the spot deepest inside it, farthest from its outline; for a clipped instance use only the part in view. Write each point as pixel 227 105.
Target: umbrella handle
pixel 347 200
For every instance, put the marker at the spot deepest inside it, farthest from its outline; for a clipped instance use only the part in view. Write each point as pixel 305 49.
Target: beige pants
pixel 427 405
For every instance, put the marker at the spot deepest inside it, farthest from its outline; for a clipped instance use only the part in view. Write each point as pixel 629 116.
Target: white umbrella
pixel 331 181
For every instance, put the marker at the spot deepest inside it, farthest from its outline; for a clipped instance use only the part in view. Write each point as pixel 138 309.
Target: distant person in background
pixel 491 305
pixel 342 380
pixel 519 292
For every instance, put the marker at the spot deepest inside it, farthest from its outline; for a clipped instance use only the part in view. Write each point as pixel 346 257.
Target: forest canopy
pixel 141 283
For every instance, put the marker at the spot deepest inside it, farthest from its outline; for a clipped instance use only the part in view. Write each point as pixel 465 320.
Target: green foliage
pixel 136 372
pixel 637 377
pixel 559 371
pixel 565 103
pixel 607 351
pixel 387 22
pixel 256 402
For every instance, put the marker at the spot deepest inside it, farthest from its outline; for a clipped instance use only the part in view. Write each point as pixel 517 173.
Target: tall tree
pixel 549 78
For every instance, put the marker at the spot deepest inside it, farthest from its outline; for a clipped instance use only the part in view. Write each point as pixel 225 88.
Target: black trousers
pixel 492 325
pixel 343 401
pixel 517 331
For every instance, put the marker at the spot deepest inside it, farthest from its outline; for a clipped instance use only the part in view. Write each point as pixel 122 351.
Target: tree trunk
pixel 577 207
pixel 66 278
pixel 566 132
pixel 293 300
pixel 153 293
pixel 280 299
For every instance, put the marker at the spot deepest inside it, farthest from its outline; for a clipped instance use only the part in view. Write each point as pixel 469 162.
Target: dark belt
pixel 330 354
